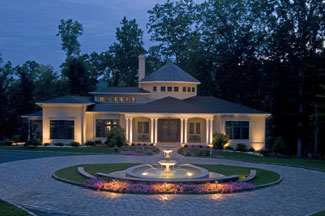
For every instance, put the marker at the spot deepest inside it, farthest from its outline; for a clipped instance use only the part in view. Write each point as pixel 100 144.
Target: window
pixel 114 99
pixel 193 89
pixel 101 99
pixel 237 129
pixel 120 99
pixel 108 99
pixel 143 127
pixel 133 99
pixel 163 88
pixel 126 99
pixel 184 89
pixel 195 128
pixel 103 126
pixel 169 88
pixel 155 88
pixel 175 88
pixel 188 89
pixel 61 129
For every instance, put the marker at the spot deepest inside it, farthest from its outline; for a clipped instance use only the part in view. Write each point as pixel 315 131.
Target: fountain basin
pixel 156 172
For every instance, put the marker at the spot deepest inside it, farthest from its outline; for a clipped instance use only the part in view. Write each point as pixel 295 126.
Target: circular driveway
pixel 28 183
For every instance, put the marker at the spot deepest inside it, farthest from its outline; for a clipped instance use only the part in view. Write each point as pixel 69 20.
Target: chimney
pixel 142 67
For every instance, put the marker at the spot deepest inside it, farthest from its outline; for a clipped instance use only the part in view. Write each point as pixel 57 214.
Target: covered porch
pixel 195 129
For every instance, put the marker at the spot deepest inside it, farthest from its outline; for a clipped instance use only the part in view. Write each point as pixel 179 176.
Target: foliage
pixel 90 143
pixel 116 137
pixel 279 145
pixel 75 144
pixel 58 144
pixel 116 149
pixel 229 148
pixel 219 140
pixel 241 147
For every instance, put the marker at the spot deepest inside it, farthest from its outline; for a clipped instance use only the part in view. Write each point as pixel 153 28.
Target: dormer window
pixel 169 88
pixel 184 89
pixel 114 99
pixel 193 89
pixel 133 99
pixel 175 88
pixel 108 99
pixel 120 99
pixel 188 89
pixel 101 99
pixel 163 88
pixel 126 99
pixel 155 88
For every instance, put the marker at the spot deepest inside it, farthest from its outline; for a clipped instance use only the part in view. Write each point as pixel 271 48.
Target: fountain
pixel 167 169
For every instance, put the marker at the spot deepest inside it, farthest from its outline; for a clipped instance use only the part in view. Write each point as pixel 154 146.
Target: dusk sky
pixel 28 28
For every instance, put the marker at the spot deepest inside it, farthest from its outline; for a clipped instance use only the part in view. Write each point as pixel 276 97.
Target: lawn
pixel 7 209
pixel 262 176
pixel 321 213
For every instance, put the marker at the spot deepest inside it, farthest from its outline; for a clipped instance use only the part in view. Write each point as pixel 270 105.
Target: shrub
pixel 5 142
pixel 219 140
pixel 116 137
pixel 75 144
pixel 98 142
pixel 90 143
pixel 148 152
pixel 33 142
pixel 229 148
pixel 138 144
pixel 46 144
pixel 185 146
pixel 241 147
pixel 58 144
pixel 251 149
pixel 278 145
pixel 151 144
pixel 200 146
pixel 116 149
pixel 188 154
pixel 144 144
pixel 155 150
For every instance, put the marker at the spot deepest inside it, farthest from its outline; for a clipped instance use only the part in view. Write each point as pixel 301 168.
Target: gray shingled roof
pixel 35 114
pixel 68 100
pixel 120 90
pixel 170 72
pixel 173 105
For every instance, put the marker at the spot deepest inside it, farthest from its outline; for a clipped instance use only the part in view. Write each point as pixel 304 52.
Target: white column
pixel 207 131
pixel 151 127
pixel 156 130
pixel 185 132
pixel 182 130
pixel 131 130
pixel 211 130
pixel 127 129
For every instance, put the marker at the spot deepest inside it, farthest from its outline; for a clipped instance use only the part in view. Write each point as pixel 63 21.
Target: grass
pixel 304 162
pixel 321 213
pixel 262 176
pixel 7 209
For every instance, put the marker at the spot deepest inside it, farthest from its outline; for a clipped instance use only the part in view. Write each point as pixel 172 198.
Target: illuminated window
pixel 195 128
pixel 120 99
pixel 155 88
pixel 169 88
pixel 163 88
pixel 126 99
pixel 133 99
pixel 176 89
pixel 184 89
pixel 188 89
pixel 108 99
pixel 237 129
pixel 101 99
pixel 193 89
pixel 114 99
pixel 104 126
pixel 143 127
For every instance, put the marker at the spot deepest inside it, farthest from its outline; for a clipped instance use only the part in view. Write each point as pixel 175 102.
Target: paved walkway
pixel 28 183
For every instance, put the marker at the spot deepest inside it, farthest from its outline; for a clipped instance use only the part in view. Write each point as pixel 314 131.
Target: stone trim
pixel 82 172
pixel 250 177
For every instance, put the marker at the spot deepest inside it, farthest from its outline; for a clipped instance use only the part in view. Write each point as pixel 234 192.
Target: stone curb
pixel 180 193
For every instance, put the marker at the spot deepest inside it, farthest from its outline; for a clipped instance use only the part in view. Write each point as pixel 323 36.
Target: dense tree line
pixel 267 54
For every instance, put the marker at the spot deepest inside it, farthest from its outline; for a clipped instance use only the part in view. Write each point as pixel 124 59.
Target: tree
pixel 69 32
pixel 122 57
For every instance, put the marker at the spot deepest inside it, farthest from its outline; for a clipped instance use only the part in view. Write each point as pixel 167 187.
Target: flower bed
pixel 126 187
pixel 138 150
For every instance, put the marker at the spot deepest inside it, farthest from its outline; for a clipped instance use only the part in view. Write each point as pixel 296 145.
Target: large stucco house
pixel 164 108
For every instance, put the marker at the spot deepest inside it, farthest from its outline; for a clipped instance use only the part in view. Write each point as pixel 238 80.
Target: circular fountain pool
pixel 184 171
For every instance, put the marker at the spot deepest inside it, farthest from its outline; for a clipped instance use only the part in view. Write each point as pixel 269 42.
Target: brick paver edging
pixel 238 191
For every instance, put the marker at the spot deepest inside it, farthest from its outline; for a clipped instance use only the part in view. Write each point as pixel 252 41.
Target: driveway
pixel 28 183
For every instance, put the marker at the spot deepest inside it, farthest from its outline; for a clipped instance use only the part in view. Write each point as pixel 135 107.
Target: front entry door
pixel 168 130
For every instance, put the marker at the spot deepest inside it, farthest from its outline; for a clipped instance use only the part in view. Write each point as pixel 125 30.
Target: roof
pixel 198 104
pixel 170 73
pixel 68 100
pixel 35 114
pixel 120 90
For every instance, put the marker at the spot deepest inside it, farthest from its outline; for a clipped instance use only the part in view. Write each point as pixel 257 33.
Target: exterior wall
pixel 64 112
pixel 256 129
pixel 180 94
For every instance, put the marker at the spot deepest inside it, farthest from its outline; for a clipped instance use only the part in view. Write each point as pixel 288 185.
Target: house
pixel 164 108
